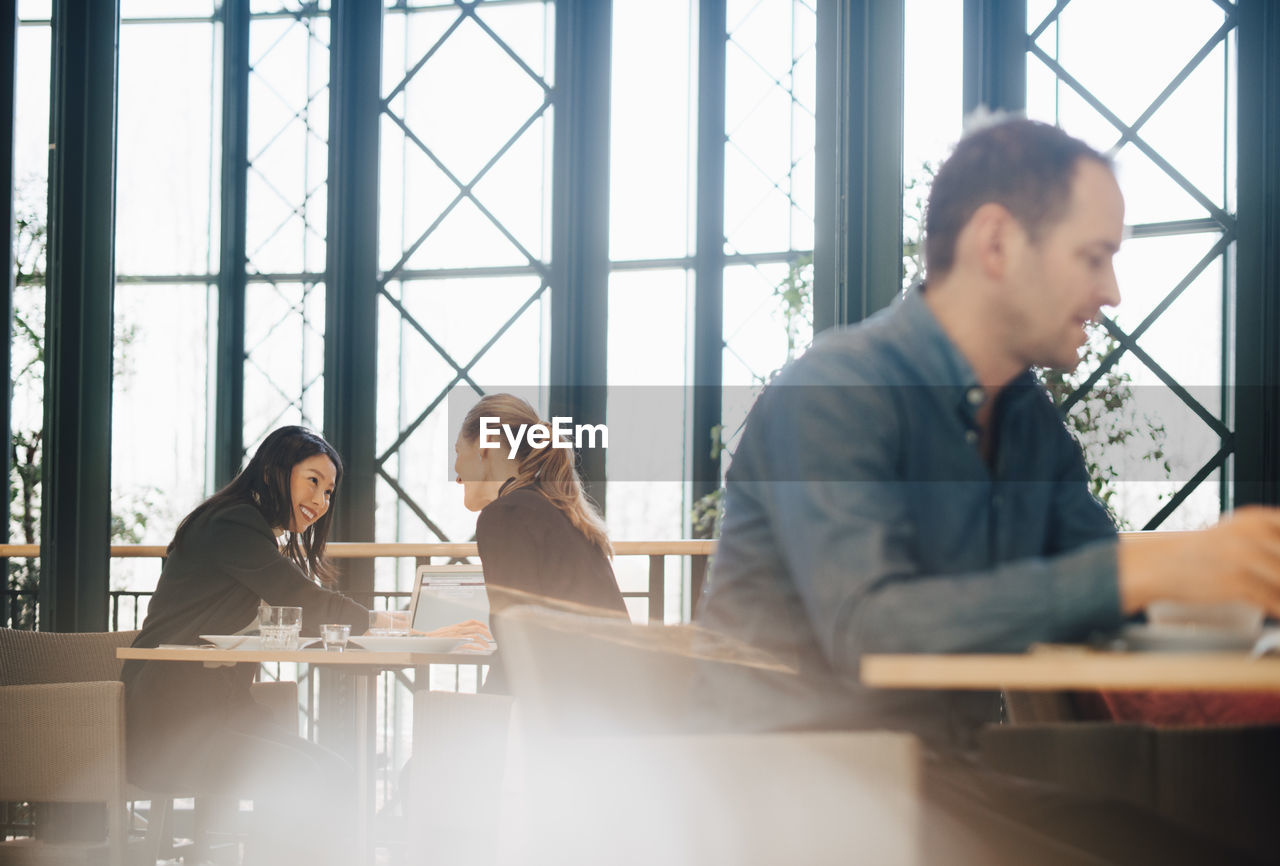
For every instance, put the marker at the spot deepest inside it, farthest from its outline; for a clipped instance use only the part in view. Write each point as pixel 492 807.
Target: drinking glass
pixel 334 635
pixel 388 622
pixel 279 627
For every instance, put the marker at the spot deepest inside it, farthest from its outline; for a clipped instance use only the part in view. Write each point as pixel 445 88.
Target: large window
pixel 653 205
pixel 31 178
pixel 770 107
pixel 464 244
pixel 932 118
pixel 167 208
pixel 287 170
pixel 1164 353
pixel 464 207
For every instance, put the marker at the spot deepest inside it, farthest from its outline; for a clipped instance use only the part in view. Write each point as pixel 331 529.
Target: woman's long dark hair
pixel 265 483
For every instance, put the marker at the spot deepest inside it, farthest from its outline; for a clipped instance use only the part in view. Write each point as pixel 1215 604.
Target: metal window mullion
pixel 228 425
pixel 351 293
pixel 1257 463
pixel 858 241
pixel 709 259
pixel 351 316
pixel 8 77
pixel 1226 403
pixel 580 221
pixel 995 55
pixel 79 318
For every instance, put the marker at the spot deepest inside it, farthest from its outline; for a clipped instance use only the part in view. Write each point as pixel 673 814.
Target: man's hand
pixel 1236 560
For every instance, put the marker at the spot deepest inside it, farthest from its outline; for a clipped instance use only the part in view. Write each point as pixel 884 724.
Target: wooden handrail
pixel 368 550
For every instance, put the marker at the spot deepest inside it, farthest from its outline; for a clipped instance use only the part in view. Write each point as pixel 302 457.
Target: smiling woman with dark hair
pixel 195 729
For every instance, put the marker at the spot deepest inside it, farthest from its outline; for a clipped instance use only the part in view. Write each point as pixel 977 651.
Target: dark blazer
pixel 212 583
pixel 528 544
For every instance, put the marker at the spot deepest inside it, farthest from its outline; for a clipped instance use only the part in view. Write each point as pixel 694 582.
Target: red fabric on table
pixel 1194 708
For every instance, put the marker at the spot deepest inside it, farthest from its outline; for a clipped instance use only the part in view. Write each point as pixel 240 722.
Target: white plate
pixel 1175 638
pixel 233 641
pixel 406 644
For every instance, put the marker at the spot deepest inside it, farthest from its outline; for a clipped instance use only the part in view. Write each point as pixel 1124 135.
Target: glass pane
pixel 1127 84
pixel 31 172
pixel 525 28
pixel 291 8
pixel 1145 499
pixel 762 330
pixel 159 444
pixel 35 10
pixel 653 146
pixel 469 69
pixel 26 348
pixel 932 109
pixel 31 116
pixel 26 340
pixel 1197 104
pixel 1166 175
pixel 495 330
pixel 288 144
pixel 768 319
pixel 769 120
pixel 284 358
pixel 1144 442
pixel 1094 42
pixel 648 333
pixel 464 306
pixel 433 142
pixel 649 330
pixel 168 151
pixel 166 9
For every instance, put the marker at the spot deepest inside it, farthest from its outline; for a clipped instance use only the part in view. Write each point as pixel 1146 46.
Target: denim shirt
pixel 861 517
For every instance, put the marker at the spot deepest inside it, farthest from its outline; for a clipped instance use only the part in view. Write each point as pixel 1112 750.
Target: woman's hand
pixel 476 632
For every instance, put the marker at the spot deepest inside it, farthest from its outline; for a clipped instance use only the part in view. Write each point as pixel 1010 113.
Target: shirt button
pixel 975 396
pixel 971 436
pixel 997 500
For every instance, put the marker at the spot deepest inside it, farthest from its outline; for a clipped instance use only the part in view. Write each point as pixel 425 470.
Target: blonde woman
pixel 537 532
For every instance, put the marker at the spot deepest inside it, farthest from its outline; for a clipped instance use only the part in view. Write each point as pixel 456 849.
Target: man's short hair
pixel 1024 165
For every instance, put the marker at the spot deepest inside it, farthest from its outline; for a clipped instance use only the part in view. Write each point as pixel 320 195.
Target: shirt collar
pixel 938 363
pixel 941 366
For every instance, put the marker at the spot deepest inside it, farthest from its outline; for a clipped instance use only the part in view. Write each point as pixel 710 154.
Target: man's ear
pixel 993 235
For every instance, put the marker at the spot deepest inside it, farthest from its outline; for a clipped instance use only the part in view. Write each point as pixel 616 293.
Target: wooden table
pixel 1058 668
pixel 363 665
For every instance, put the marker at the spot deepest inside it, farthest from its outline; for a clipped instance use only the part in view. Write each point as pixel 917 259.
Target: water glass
pixel 334 635
pixel 279 627
pixel 388 623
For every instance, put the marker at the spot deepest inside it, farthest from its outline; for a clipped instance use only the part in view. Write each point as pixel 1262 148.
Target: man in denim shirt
pixel 906 485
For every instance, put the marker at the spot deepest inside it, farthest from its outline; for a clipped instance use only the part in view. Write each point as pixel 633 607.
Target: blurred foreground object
pixel 621 765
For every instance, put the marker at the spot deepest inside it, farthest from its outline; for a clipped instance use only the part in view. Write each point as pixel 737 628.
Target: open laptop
pixel 446 594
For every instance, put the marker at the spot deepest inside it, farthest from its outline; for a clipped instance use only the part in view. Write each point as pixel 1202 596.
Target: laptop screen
pixel 446 594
